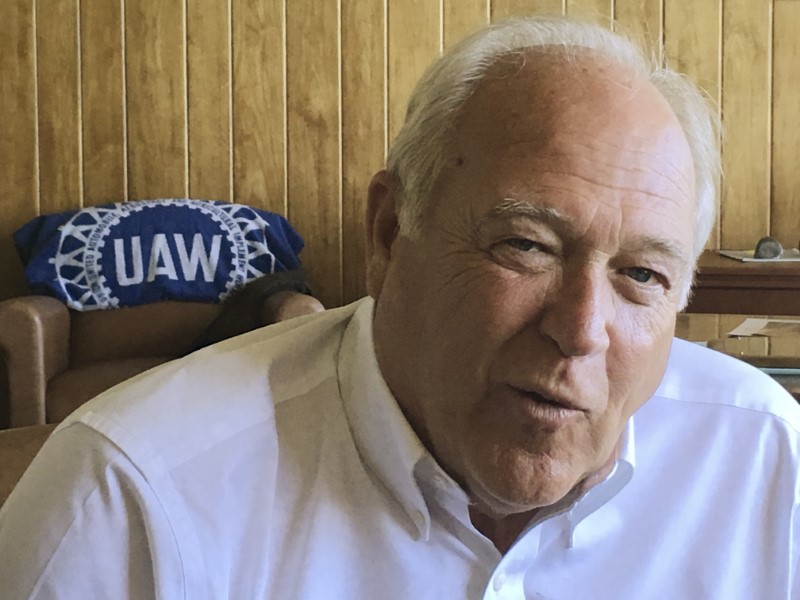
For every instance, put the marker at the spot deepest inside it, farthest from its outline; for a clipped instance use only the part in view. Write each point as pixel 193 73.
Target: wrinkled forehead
pixel 544 92
pixel 556 102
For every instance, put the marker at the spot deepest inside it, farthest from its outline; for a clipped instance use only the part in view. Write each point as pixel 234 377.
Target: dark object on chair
pixel 768 247
pixel 262 301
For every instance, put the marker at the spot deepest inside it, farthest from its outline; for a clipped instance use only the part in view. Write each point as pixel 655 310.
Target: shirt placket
pixel 508 580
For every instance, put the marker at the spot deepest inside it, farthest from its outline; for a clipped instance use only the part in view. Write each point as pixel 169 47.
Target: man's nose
pixel 579 313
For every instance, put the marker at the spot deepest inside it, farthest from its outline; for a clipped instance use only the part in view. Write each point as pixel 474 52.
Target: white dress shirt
pixel 278 465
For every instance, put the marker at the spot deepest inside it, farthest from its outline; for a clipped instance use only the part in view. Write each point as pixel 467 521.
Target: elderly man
pixel 508 416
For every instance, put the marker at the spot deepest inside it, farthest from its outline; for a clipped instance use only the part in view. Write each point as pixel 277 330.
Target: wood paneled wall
pixel 289 105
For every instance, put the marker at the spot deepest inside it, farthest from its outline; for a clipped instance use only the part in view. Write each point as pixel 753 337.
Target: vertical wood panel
pixel 155 63
pixel 363 140
pixel 209 108
pixel 599 11
pixel 692 46
pixel 18 172
pixel 784 346
pixel 510 8
pixel 697 327
pixel 641 20
pixel 745 110
pixel 462 17
pixel 102 87
pixel 59 124
pixel 259 149
pixel 314 177
pixel 786 124
pixel 414 42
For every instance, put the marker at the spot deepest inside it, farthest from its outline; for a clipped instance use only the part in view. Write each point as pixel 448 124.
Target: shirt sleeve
pixel 795 591
pixel 83 522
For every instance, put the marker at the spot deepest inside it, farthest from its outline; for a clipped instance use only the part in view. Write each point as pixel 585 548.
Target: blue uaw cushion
pixel 146 251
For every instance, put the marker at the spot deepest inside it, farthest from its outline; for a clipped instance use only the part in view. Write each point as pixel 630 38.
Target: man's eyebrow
pixel 510 208
pixel 652 245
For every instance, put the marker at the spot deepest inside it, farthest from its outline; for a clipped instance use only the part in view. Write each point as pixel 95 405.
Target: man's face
pixel 534 314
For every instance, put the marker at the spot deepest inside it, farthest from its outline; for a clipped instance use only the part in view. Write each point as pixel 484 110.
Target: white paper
pixel 789 255
pixel 765 327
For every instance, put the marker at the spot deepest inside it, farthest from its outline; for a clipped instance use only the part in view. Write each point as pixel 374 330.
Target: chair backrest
pixel 161 329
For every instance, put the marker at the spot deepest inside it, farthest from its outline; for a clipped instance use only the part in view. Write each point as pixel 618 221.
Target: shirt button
pixel 499 582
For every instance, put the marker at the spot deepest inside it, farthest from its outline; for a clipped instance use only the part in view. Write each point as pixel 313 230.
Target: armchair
pixel 58 358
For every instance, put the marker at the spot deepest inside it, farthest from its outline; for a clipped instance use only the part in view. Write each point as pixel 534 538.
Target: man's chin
pixel 533 483
pixel 499 499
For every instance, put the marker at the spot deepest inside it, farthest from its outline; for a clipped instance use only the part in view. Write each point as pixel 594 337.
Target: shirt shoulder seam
pixel 764 413
pixel 94 492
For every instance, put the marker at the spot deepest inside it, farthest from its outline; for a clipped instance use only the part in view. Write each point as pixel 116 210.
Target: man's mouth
pixel 543 406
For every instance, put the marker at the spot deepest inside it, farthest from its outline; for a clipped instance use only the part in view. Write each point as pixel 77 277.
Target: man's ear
pixel 382 229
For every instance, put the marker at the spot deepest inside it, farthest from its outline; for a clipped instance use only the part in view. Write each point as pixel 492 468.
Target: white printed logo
pixel 160 254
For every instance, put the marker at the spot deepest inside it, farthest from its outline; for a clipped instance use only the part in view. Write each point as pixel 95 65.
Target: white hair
pixel 418 154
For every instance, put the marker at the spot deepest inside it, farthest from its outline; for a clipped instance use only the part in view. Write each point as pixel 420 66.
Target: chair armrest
pixel 34 341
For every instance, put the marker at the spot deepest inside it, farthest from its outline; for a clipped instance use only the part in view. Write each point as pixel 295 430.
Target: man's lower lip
pixel 541 409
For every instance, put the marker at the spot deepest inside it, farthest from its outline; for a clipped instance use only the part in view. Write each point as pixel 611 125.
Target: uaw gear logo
pixel 133 253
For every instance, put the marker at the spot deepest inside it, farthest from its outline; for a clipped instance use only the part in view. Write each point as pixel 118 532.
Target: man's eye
pixel 640 274
pixel 523 244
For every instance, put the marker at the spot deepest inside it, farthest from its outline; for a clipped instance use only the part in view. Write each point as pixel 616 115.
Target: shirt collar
pixel 388 444
pixel 617 479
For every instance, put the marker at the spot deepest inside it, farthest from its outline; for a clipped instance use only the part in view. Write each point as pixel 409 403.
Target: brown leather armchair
pixel 58 358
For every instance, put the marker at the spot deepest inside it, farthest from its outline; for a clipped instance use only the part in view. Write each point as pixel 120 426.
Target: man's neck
pixel 504 530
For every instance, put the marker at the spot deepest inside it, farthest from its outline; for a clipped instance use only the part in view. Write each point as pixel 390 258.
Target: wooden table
pixel 779 356
pixel 725 285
